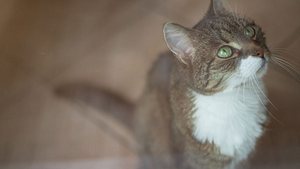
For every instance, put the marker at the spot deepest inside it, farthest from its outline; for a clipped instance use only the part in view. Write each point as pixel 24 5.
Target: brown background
pixel 112 43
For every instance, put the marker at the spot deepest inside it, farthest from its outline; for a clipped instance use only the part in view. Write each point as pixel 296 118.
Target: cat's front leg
pixel 204 156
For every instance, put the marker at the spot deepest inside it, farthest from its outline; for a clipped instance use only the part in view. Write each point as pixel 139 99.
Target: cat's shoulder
pixel 160 73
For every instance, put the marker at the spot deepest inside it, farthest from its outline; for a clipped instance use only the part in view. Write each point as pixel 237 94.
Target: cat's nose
pixel 259 52
pixel 253 49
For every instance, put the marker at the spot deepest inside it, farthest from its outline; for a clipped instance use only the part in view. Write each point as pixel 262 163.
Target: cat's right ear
pixel 216 7
pixel 178 41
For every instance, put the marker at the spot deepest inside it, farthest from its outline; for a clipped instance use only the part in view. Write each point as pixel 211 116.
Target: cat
pixel 211 112
pixel 204 104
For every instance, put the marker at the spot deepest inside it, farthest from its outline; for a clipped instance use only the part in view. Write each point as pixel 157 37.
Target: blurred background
pixel 112 44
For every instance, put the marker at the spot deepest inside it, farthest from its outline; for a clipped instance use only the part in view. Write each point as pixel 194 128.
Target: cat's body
pixel 204 105
pixel 164 134
pixel 176 127
pixel 202 112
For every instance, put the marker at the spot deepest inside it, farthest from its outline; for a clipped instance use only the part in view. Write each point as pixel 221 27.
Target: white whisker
pixel 285 65
pixel 283 60
pixel 262 92
pixel 261 101
pixel 255 91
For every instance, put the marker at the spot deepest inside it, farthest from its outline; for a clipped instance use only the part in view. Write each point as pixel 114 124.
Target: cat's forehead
pixel 228 23
pixel 225 28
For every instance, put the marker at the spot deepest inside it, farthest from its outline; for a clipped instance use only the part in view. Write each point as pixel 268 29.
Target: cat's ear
pixel 216 8
pixel 178 41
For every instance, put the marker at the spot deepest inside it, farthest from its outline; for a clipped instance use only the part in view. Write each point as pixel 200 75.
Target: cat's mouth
pixel 263 65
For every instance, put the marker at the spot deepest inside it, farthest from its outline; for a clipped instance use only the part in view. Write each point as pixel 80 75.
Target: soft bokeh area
pixel 112 44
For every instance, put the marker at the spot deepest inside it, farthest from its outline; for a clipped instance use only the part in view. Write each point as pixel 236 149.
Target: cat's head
pixel 221 52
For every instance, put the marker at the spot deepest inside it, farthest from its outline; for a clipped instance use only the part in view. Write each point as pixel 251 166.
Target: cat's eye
pixel 225 52
pixel 250 32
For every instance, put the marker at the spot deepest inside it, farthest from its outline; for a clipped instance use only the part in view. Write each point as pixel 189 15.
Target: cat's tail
pixel 99 99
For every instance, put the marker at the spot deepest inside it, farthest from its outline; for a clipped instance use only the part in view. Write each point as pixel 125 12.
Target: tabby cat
pixel 206 110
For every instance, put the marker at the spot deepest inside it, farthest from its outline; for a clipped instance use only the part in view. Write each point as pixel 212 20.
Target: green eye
pixel 249 31
pixel 225 52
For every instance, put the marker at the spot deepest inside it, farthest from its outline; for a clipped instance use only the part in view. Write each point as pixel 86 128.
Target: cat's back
pixel 153 116
pixel 159 75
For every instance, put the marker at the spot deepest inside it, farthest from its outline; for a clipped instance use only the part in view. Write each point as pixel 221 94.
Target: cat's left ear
pixel 178 41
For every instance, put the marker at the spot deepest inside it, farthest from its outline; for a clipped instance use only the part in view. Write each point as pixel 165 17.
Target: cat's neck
pixel 230 119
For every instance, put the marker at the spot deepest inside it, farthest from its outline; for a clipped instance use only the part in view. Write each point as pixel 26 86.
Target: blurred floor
pixel 112 43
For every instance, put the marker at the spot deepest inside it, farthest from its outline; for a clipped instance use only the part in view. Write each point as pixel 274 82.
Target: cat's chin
pixel 251 66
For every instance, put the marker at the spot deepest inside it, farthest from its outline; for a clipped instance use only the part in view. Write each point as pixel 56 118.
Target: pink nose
pixel 259 53
pixel 253 49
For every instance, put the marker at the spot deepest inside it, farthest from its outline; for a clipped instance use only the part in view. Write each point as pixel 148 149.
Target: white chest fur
pixel 231 120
